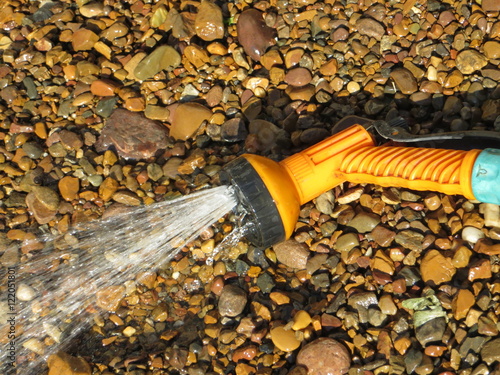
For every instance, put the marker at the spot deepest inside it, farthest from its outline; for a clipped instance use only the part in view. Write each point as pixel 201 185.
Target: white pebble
pixel 35 346
pixel 491 214
pixel 471 234
pixel 25 292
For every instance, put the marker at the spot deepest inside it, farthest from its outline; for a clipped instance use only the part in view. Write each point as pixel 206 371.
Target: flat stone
pixel 292 253
pixel 382 236
pixel 187 118
pixel 208 22
pixel 436 268
pixel 84 40
pixel 461 303
pixel 492 49
pixel 490 5
pixel 64 364
pixel 470 60
pixel 132 135
pixel 404 80
pixel 370 27
pixel 68 187
pixel 325 356
pixel 253 33
pixel 284 339
pixel 364 222
pixel 298 77
pixel 490 352
pixel 233 130
pixel 162 58
pixel 232 301
pixel 109 298
pixel 104 87
pixel 92 9
pixel 347 242
pixel 431 331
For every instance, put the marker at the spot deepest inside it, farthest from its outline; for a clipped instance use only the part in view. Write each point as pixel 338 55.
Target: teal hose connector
pixel 486 176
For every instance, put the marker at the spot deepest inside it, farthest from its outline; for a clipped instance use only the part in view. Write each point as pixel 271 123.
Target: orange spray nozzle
pixel 272 192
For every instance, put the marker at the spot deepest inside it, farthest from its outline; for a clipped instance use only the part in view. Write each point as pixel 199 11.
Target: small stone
pixel 69 187
pixel 480 269
pixel 472 234
pixel 133 136
pixel 490 352
pixel 284 339
pixel 292 254
pixel 232 301
pixel 43 202
pixel 247 353
pixel 155 112
pixel 431 331
pixel 436 268
pixel 253 33
pixel 324 356
pixel 382 235
pixel 347 242
pixel 25 292
pixel 208 22
pixel 492 49
pixel 84 40
pixel 382 263
pixel 470 60
pixel 298 77
pixel 301 320
pixel 162 58
pixel 64 364
pixel 92 9
pixel 404 80
pixel 126 197
pixel 490 6
pixel 103 87
pixel 233 130
pixel 129 331
pixel 370 27
pixel 364 222
pixel 187 119
pixel 461 303
pixel 109 298
pixel 350 196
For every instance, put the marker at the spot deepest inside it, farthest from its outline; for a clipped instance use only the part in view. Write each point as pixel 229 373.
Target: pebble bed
pixel 111 103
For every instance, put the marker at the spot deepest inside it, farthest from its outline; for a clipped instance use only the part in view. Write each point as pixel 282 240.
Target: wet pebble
pixel 324 356
pixel 187 118
pixel 292 253
pixel 232 301
pixel 253 33
pixel 208 22
pixel 162 58
pixel 284 339
pixel 64 364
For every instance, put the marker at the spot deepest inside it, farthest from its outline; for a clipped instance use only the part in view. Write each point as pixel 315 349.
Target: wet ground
pixel 105 104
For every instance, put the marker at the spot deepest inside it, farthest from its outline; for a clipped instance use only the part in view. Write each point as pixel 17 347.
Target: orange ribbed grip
pixel 446 171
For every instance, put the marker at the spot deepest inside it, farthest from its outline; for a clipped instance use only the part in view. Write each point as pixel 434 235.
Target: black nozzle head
pixel 266 227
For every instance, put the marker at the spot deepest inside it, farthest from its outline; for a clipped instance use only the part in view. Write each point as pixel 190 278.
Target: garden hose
pixel 271 193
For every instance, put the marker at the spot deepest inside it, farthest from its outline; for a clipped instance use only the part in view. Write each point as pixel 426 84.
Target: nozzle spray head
pixel 267 198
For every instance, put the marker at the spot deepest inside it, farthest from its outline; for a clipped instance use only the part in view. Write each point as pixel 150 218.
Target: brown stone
pixel 64 364
pixel 436 268
pixel 292 253
pixel 470 60
pixel 109 298
pixel 492 49
pixel 84 40
pixel 298 77
pixel 461 303
pixel 104 87
pixel 253 33
pixel 370 27
pixel 490 5
pixel 405 81
pixel 208 22
pixel 187 119
pixel 68 187
pixel 324 356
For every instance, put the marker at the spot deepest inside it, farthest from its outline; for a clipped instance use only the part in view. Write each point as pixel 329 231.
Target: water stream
pixel 86 268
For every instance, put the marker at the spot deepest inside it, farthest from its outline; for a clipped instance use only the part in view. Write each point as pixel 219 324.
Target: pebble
pixel 64 364
pixel 436 268
pixel 208 22
pixel 301 320
pixel 469 61
pixel 364 222
pixel 84 40
pixel 347 242
pixel 284 339
pixel 431 331
pixel 187 119
pixel 43 203
pixel 472 234
pixel 232 301
pixel 492 50
pixel 490 352
pixel 490 5
pixel 103 87
pixel 461 303
pixel 132 135
pixel 382 235
pixel 324 356
pixel 109 298
pixel 253 33
pixel 292 254
pixel 69 187
pixel 162 58
pixel 404 80
pixel 25 292
pixel 370 27
pixel 92 9
pixel 298 77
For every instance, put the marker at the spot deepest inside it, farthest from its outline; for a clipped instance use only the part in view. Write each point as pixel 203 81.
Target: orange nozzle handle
pixel 351 155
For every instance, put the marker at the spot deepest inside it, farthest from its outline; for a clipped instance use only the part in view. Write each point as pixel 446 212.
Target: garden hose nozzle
pixel 272 192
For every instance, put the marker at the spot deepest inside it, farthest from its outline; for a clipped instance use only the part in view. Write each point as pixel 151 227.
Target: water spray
pixel 272 192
